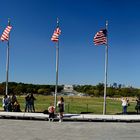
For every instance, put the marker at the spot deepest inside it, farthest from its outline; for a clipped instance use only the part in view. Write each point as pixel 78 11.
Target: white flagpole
pixel 106 68
pixel 7 62
pixel 57 63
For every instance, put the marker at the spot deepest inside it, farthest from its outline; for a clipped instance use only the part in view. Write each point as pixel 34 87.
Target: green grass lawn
pixel 93 105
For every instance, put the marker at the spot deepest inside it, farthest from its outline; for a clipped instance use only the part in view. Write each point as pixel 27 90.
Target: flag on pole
pixel 55 36
pixel 5 35
pixel 100 37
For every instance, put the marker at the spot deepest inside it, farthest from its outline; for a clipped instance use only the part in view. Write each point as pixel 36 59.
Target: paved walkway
pixel 71 117
pixel 44 130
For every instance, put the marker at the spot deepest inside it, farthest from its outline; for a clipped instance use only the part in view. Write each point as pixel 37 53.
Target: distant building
pixel 68 88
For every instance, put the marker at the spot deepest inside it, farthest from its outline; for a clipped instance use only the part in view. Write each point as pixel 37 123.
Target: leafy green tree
pixel 41 91
pixel 45 91
pixel 96 92
pixel 110 92
pixel 100 86
pixel 1 89
pixel 90 92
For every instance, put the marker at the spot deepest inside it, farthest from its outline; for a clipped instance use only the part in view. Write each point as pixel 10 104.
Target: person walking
pixel 60 106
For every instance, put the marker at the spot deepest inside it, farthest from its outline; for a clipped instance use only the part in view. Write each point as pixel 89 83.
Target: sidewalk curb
pixel 71 117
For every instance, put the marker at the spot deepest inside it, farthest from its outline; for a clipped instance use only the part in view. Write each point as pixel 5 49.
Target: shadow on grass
pixel 86 113
pixel 128 113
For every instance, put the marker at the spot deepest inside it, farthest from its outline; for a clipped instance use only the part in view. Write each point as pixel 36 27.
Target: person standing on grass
pixel 27 103
pixel 137 107
pixel 32 99
pixel 60 106
pixel 124 105
pixel 5 102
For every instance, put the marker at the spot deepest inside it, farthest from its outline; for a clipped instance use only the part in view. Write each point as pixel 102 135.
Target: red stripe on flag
pixel 100 37
pixel 55 36
pixel 5 35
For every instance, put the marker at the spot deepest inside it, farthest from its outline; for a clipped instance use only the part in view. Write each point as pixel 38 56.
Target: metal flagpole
pixel 57 63
pixel 7 68
pixel 7 63
pixel 106 68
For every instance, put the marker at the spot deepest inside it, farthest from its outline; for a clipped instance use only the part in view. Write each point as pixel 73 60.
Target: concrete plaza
pixel 44 130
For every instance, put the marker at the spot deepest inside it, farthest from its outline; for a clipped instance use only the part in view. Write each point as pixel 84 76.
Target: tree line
pixel 112 91
pixel 115 90
pixel 23 88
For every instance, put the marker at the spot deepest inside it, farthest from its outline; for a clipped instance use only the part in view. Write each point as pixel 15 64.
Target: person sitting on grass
pixel 13 100
pixel 51 110
pixel 16 107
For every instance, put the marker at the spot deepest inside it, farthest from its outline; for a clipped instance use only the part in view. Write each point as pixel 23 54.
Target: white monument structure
pixel 68 88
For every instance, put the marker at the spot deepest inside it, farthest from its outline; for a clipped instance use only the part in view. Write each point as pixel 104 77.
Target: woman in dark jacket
pixel 60 106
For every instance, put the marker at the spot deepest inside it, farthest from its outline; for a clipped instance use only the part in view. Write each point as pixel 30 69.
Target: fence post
pixel 87 107
pixel 68 108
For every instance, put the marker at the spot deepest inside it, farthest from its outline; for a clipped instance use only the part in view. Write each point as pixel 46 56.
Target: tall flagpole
pixel 57 63
pixel 106 68
pixel 7 62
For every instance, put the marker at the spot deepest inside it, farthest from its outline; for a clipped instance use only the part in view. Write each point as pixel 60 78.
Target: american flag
pixel 5 35
pixel 100 37
pixel 55 36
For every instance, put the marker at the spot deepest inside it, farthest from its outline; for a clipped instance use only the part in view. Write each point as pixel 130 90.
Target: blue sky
pixel 32 54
